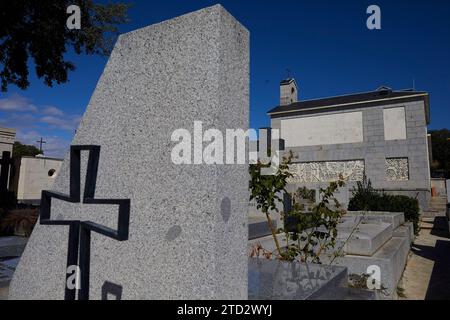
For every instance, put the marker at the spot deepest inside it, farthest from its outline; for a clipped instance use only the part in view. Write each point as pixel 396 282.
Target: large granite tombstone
pixel 188 223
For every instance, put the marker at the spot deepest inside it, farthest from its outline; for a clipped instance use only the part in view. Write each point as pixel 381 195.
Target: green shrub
pixel 409 206
pixel 365 198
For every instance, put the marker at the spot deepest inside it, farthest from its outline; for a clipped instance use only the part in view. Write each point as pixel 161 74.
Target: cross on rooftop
pixel 41 142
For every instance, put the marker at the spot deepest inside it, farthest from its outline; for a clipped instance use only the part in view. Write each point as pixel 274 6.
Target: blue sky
pixel 325 45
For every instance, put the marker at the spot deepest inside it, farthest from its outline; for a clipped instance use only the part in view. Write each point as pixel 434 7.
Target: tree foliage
pixel 23 150
pixel 440 142
pixel 36 31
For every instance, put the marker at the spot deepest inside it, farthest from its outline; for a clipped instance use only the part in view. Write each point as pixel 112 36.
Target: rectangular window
pixel 323 130
pixel 394 124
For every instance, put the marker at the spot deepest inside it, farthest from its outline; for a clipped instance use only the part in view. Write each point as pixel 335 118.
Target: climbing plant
pixel 309 234
pixel 265 190
pixel 313 231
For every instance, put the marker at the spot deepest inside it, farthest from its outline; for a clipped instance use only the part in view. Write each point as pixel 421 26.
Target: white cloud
pixel 52 111
pixel 17 103
pixel 69 123
pixel 19 120
pixel 22 114
pixel 31 122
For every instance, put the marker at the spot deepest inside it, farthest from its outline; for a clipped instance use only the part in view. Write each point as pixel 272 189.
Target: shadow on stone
pixel 112 289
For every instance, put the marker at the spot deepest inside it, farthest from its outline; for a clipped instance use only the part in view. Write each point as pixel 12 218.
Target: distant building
pixel 32 175
pixel 382 133
pixel 7 139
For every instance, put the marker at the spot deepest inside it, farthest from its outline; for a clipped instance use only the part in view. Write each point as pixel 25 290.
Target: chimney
pixel 288 92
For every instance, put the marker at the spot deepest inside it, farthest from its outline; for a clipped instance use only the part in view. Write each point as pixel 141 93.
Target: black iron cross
pixel 80 231
pixel 41 142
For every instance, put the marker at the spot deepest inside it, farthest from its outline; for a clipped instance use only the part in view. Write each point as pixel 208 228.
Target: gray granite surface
pixel 188 223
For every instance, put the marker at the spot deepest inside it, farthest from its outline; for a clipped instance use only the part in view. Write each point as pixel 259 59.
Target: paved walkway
pixel 427 273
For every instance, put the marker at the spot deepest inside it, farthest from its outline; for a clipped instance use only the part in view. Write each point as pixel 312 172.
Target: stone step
pixel 440 207
pixel 438 199
pixel 433 214
pixel 390 258
pixel 406 230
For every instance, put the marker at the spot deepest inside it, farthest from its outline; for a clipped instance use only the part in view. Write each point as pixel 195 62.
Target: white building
pixel 381 133
pixel 32 175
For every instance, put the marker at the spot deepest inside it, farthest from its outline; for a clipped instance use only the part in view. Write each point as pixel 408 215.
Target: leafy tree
pixel 23 150
pixel 440 142
pixel 37 30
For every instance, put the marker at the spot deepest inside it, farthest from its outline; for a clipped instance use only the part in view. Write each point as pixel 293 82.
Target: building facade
pixel 32 175
pixel 382 134
pixel 7 139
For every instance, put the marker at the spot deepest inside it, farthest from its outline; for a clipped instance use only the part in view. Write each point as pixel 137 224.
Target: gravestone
pixel 5 164
pixel 187 223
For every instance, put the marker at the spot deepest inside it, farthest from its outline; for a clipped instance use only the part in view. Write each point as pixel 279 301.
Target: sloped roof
pixel 381 96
